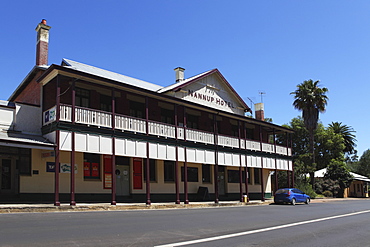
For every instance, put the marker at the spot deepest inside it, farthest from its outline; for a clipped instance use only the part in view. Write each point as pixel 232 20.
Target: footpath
pixel 34 208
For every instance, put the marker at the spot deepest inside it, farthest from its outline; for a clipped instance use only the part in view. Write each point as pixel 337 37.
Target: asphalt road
pixel 267 225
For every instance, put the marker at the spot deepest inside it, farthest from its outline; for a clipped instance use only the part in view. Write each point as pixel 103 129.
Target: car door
pixel 298 195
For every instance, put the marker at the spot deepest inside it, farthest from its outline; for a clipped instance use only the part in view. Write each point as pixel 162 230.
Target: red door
pixel 138 173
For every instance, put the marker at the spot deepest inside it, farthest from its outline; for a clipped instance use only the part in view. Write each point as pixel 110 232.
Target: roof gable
pixel 209 88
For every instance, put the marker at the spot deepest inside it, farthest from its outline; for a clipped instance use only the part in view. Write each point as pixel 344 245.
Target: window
pixel 192 174
pixel 91 166
pixel 167 116
pixel 24 161
pixel 82 97
pixel 192 121
pixel 257 176
pixel 233 176
pixel 250 134
pixel 206 173
pixel 152 170
pixel 249 176
pixel 105 103
pixel 137 109
pixel 169 171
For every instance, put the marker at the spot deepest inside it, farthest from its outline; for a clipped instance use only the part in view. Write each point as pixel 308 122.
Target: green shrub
pixel 327 193
pixel 306 188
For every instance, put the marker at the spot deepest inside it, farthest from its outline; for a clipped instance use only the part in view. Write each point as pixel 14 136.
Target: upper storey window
pixel 82 97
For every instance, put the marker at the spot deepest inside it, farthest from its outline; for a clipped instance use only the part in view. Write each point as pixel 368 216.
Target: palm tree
pixel 311 100
pixel 348 135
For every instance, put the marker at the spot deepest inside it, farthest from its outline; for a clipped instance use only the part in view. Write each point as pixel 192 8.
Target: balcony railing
pixel 126 123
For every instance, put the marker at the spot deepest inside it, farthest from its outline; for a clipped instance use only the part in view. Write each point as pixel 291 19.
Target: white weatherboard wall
pixel 133 148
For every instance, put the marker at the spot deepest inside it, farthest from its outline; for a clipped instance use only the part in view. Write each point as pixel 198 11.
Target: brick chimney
pixel 259 111
pixel 179 74
pixel 42 45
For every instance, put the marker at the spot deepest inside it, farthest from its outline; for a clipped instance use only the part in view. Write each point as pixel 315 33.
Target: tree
pixel 363 165
pixel 311 100
pixel 338 171
pixel 348 135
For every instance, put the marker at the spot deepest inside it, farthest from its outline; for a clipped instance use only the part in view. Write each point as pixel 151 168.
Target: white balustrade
pixel 160 129
pixel 266 147
pixel 104 119
pixel 281 150
pixel 199 136
pixel 228 141
pixel 253 145
pixel 65 113
pixel 92 117
pixel 130 124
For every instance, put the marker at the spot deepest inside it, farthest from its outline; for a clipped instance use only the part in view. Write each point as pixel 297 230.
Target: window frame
pixel 169 171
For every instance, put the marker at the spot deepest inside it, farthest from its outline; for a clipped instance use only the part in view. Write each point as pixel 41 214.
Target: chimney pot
pixel 42 45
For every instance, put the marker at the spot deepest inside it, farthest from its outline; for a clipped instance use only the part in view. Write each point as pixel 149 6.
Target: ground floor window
pixel 233 176
pixel 249 174
pixel 257 175
pixel 152 171
pixel 206 173
pixel 91 166
pixel 192 174
pixel 169 171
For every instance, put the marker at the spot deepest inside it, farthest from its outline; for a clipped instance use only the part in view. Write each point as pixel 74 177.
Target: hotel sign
pixel 213 93
pixel 50 115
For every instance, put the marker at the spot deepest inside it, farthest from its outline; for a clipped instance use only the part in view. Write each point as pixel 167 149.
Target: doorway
pixel 122 174
pixel 8 177
pixel 221 180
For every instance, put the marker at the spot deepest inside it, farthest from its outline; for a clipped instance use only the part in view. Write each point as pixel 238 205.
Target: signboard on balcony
pixel 50 115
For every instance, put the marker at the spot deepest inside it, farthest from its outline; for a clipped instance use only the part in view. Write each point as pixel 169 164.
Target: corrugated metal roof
pixel 6 136
pixel 321 173
pixel 111 75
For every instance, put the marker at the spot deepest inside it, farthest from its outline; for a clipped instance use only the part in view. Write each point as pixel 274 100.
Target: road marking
pixel 197 241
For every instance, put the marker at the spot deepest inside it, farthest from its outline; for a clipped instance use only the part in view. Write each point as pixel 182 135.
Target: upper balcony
pixel 102 119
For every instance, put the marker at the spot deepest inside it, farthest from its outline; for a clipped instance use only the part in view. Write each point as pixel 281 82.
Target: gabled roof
pixel 177 86
pixel 30 76
pixel 321 173
pixel 110 75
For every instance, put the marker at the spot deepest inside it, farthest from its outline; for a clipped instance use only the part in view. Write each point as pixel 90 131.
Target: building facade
pixel 130 140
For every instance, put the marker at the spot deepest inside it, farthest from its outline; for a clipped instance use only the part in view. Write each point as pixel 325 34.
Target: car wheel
pixel 293 201
pixel 307 201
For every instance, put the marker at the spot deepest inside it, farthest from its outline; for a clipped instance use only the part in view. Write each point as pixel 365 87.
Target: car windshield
pixel 282 191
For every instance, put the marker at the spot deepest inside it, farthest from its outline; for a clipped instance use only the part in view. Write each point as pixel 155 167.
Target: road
pixel 339 223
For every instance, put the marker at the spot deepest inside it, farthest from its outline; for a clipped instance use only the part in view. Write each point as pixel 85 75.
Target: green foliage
pixel 338 171
pixel 326 184
pixel 311 100
pixel 363 165
pixel 327 193
pixel 306 187
pixel 348 135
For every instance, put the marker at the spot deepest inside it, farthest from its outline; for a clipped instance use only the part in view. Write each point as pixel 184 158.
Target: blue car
pixel 291 195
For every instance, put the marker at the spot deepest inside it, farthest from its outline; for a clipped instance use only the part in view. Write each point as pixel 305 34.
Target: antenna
pixel 252 103
pixel 261 93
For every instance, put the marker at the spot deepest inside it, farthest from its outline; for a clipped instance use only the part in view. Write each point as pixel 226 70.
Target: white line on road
pixel 197 241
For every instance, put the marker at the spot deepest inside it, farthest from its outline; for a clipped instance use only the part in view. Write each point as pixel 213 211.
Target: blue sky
pixel 259 46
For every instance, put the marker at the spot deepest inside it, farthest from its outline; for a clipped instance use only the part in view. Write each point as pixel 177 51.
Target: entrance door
pixel 8 181
pixel 122 180
pixel 221 180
